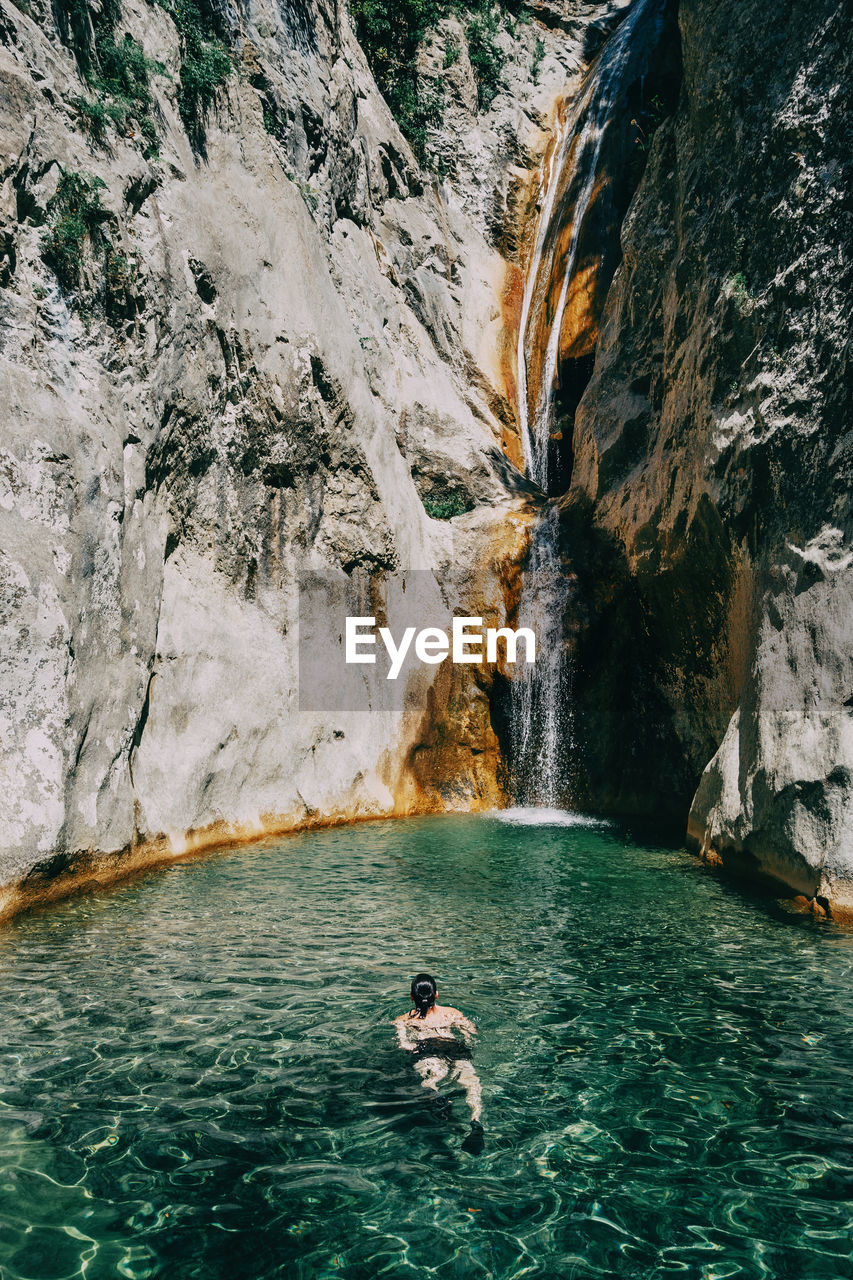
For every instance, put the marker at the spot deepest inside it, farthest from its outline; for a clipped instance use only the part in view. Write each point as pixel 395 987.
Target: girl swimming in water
pixel 427 1031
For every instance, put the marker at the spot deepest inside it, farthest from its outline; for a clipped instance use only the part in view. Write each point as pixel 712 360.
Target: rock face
pixel 713 462
pixel 252 337
pixel 276 344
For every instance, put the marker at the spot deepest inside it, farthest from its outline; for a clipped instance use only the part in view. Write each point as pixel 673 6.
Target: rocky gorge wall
pixel 238 341
pixel 709 511
pixel 283 342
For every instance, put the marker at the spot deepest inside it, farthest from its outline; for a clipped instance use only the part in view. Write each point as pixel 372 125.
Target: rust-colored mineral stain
pixel 586 289
pixel 579 330
pixel 455 760
pixel 511 300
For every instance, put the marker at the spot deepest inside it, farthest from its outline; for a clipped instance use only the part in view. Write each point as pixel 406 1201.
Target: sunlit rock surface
pixel 316 339
pixel 312 345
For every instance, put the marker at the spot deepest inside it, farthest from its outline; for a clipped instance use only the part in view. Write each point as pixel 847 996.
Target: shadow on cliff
pixel 643 631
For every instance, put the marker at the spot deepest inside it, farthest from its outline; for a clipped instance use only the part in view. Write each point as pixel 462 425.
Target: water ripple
pixel 198 1078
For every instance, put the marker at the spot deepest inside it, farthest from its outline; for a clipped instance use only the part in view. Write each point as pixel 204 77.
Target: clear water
pixel 199 1079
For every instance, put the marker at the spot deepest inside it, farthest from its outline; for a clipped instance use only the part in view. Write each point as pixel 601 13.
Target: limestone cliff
pixel 710 499
pixel 242 333
pixel 245 330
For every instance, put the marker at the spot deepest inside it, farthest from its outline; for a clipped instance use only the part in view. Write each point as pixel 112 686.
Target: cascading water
pixel 541 708
pixel 570 179
pixel 547 196
pixel 540 699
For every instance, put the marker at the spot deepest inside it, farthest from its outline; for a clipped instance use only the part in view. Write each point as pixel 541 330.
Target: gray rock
pixel 303 333
pixel 712 447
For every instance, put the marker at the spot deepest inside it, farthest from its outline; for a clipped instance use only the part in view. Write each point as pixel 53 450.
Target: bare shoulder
pixel 456 1015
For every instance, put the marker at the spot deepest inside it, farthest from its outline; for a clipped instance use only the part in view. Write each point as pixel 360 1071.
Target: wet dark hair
pixel 424 992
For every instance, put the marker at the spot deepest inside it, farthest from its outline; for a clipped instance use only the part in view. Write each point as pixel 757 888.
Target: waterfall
pixel 541 737
pixel 547 195
pixel 567 190
pixel 540 700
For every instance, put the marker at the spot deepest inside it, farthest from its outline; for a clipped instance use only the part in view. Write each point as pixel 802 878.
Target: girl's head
pixel 424 992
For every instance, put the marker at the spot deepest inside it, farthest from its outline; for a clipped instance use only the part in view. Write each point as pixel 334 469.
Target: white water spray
pixel 541 693
pixel 541 704
pixel 580 137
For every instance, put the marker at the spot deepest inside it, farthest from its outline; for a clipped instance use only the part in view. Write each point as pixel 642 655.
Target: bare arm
pixel 465 1025
pixel 401 1026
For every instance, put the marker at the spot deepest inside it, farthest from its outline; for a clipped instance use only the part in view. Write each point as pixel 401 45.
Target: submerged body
pixel 427 1031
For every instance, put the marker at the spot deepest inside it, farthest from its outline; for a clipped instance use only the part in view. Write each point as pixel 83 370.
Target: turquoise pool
pixel 198 1077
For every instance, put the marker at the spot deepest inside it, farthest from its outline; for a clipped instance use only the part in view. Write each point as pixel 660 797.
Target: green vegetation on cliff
pixel 119 73
pixel 390 32
pixel 123 79
pixel 77 222
pixel 205 61
pixel 116 70
pixel 485 53
pixel 76 217
pixel 443 502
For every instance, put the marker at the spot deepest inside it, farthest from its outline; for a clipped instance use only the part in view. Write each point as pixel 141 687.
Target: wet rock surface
pixel 712 457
